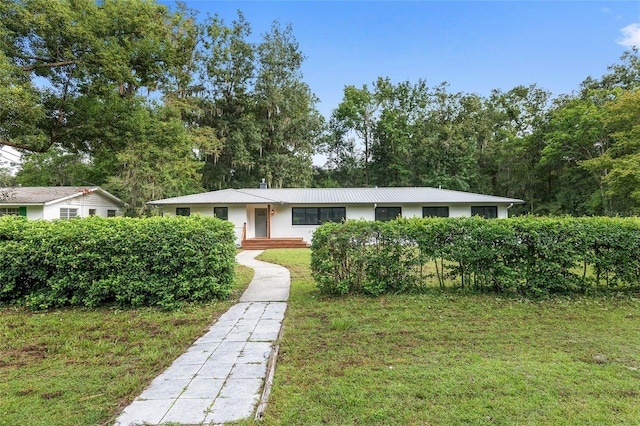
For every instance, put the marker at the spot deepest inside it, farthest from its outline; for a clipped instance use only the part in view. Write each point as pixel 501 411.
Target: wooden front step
pixel 267 243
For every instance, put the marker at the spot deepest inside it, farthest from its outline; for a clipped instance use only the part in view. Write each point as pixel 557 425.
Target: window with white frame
pixel 67 213
pixel 9 211
pixel 111 213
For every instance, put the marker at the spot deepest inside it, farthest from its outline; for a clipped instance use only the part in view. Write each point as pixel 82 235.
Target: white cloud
pixel 631 35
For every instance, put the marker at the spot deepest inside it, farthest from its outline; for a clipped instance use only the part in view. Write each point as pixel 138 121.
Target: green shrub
pixel 131 262
pixel 530 255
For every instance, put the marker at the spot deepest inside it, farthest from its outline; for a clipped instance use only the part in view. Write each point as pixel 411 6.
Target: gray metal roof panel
pixel 399 195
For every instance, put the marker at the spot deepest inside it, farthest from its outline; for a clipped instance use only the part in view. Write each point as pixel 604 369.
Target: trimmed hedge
pixel 130 262
pixel 530 255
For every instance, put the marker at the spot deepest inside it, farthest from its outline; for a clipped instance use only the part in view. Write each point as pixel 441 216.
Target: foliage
pixel 530 255
pixel 257 106
pixel 153 102
pixel 111 92
pixel 85 56
pixel 130 262
pixel 574 154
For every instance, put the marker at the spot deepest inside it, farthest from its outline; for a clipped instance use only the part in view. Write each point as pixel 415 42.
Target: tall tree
pixel 55 167
pixel 397 132
pixel 158 162
pixel 259 108
pixel 285 108
pixel 68 56
pixel 227 103
pixel 504 156
pixel 577 132
pixel 77 70
pixel 618 167
pixel 357 112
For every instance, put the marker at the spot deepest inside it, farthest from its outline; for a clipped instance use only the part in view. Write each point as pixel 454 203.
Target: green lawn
pixel 449 358
pixel 83 366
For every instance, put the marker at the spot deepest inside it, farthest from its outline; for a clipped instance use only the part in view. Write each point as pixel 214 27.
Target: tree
pixel 619 166
pixel 446 149
pixel 55 167
pixel 158 163
pixel 258 108
pixel 507 153
pixel 285 109
pixel 82 52
pixel 226 102
pixel 577 132
pixel 357 113
pixel 343 167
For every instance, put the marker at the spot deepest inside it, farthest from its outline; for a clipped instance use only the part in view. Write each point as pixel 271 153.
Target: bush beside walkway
pixel 530 255
pixel 130 262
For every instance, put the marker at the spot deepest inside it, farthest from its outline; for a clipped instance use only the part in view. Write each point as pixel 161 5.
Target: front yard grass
pixel 80 366
pixel 446 357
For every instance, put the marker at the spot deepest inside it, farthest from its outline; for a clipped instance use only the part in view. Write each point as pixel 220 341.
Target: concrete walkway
pixel 220 377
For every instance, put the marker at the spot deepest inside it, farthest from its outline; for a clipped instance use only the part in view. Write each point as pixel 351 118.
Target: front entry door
pixel 261 223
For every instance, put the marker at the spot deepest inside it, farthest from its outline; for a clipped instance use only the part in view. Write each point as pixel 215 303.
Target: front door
pixel 261 223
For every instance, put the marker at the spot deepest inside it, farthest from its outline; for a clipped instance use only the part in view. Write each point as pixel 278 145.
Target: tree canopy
pixel 152 102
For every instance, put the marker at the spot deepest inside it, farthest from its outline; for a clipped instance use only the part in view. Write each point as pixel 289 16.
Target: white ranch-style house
pixel 287 217
pixel 59 202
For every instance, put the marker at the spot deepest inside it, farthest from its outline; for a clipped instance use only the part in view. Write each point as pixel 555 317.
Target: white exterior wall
pixel 94 201
pixel 281 218
pixel 35 212
pixel 52 211
pixel 237 214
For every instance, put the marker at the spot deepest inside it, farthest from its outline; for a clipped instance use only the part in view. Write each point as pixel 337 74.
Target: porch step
pixel 267 243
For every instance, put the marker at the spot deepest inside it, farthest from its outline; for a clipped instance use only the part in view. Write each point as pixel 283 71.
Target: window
pixel 9 211
pixel 68 213
pixel 317 215
pixel 183 211
pixel 92 212
pixel 388 213
pixel 435 211
pixel 221 212
pixel 111 213
pixel 488 212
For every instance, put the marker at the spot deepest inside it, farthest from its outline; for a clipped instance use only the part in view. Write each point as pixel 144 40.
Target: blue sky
pixel 475 46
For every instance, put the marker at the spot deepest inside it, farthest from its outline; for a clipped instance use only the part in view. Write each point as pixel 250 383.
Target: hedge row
pixel 531 255
pixel 129 262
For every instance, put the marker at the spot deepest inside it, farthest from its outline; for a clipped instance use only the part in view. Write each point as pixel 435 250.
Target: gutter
pixel 508 207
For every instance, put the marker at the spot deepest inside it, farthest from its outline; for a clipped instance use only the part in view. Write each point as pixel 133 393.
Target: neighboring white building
pixel 59 202
pixel 296 212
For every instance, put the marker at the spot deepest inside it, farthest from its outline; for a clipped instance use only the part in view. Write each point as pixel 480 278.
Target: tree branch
pixel 26 147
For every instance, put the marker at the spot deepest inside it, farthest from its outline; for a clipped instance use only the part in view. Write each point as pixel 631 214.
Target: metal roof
pixel 403 195
pixel 51 194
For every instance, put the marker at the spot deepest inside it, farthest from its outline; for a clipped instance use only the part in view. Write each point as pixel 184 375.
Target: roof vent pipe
pixel 263 184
